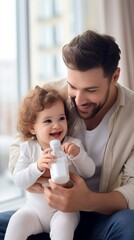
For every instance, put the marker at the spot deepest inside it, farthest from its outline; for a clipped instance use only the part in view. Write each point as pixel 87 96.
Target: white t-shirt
pixel 94 142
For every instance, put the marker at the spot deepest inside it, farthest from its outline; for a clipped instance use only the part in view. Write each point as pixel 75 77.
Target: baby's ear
pixel 32 130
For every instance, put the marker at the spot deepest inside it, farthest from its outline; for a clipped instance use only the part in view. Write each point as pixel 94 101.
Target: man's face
pixel 89 91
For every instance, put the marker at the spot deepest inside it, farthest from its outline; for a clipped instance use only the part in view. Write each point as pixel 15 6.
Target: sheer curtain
pixel 119 22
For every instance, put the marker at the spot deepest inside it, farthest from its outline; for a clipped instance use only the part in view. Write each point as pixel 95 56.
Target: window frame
pixel 23 80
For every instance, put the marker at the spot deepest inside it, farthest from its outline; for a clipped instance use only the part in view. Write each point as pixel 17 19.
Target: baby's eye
pixel 48 121
pixel 62 118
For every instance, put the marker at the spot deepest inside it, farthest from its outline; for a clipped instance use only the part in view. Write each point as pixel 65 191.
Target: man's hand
pixel 68 199
pixel 80 198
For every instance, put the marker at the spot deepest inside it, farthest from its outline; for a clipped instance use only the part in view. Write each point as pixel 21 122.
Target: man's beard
pixel 96 108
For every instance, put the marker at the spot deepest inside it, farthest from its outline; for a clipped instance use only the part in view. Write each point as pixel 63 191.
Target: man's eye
pixel 62 118
pixel 92 90
pixel 47 121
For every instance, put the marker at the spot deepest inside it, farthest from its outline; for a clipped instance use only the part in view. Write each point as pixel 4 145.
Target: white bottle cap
pixel 55 144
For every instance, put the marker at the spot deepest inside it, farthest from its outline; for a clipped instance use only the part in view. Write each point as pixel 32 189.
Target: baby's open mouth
pixel 55 134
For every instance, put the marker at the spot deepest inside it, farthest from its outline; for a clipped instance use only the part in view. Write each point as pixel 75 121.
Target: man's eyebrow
pixel 92 87
pixel 70 84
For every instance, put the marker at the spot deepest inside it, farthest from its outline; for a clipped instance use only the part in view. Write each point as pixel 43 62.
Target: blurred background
pixel 33 33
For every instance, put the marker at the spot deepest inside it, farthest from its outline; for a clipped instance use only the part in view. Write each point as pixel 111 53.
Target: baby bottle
pixel 59 170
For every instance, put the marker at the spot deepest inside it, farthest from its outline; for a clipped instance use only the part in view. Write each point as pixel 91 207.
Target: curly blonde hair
pixel 36 101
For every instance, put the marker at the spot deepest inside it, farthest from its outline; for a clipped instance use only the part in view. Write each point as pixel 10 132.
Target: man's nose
pixel 80 98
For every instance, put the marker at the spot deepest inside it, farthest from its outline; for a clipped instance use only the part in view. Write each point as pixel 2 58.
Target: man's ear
pixel 116 75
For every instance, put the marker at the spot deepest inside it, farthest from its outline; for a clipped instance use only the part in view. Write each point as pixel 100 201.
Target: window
pixel 51 24
pixel 8 98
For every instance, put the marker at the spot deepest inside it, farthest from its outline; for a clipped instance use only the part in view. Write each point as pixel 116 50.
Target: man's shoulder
pixel 126 105
pixel 129 93
pixel 125 97
pixel 59 85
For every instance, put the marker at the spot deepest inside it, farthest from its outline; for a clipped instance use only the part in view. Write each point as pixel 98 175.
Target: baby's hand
pixel 44 162
pixel 71 149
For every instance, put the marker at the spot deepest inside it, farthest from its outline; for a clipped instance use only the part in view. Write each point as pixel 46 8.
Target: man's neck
pixel 93 123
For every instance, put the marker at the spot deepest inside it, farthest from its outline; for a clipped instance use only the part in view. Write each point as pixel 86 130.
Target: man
pixel 102 112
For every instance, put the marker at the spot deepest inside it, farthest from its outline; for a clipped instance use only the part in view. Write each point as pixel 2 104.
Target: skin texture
pixel 93 95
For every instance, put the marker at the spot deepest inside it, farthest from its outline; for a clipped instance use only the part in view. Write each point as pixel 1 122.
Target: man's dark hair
pixel 90 50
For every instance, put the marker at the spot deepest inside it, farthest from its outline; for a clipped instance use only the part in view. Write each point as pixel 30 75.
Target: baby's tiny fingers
pixel 47 150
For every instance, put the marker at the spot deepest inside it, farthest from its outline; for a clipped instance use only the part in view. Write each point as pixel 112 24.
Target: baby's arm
pixel 27 170
pixel 83 163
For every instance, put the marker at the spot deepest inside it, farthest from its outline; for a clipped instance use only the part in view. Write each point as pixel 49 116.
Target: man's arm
pixel 80 198
pixel 14 152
